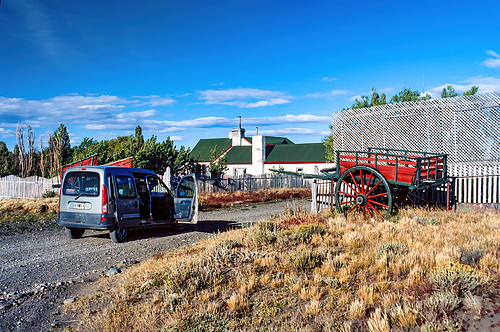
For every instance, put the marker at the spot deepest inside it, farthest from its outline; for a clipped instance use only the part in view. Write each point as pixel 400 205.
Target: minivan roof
pixel 110 168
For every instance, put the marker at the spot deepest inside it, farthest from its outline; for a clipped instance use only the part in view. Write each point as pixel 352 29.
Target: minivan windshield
pixel 81 183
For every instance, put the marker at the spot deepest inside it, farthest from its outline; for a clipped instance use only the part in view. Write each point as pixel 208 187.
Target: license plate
pixel 80 206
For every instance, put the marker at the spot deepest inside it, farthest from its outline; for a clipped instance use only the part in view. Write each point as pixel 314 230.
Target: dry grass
pixel 310 273
pixel 34 210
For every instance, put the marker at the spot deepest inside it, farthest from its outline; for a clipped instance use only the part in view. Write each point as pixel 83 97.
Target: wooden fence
pixel 470 184
pixel 249 182
pixel 32 187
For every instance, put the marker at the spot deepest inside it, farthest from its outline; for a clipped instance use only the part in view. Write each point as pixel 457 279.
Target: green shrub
pixel 49 194
pixel 444 326
pixel 306 259
pixel 470 256
pixel 391 249
pixel 264 234
pixel 442 303
pixel 455 279
pixel 304 233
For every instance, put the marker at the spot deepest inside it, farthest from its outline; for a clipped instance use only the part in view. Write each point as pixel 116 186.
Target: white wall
pixel 310 168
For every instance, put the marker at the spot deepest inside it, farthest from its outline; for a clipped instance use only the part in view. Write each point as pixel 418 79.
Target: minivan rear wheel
pixel 119 235
pixel 74 233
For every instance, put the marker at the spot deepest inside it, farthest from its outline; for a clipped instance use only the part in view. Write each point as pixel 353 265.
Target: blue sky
pixel 188 69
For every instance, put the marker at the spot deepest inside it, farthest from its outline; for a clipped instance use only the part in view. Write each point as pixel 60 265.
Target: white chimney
pixel 258 154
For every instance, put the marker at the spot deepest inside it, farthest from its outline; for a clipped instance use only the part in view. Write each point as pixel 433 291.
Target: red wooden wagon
pixel 370 182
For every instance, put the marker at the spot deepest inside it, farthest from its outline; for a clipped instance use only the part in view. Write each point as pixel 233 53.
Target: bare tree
pixel 42 158
pixel 22 150
pixel 30 164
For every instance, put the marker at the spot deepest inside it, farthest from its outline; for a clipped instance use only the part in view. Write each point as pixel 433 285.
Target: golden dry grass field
pixel 425 270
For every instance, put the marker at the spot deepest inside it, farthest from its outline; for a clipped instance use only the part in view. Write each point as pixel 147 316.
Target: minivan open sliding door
pixel 186 200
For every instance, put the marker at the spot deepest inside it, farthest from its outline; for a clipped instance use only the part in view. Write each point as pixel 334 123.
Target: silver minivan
pixel 121 198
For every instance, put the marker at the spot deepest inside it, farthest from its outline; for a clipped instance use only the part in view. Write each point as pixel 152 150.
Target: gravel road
pixel 39 270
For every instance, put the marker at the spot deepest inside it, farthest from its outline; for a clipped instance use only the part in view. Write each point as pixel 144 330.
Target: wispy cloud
pixel 244 97
pixel 61 109
pixel 485 84
pixel 154 101
pixel 210 122
pixel 329 79
pixel 40 29
pixel 294 131
pixel 331 94
pixel 494 61
pixel 4 133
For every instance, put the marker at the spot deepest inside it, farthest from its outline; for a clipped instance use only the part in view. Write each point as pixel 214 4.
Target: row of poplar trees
pixel 30 158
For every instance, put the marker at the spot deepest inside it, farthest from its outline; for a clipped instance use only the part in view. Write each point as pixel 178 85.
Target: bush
pixel 49 194
pixel 306 259
pixel 455 279
pixel 264 234
pixel 304 233
pixel 391 249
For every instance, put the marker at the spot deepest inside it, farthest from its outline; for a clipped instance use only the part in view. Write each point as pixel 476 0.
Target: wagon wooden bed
pixel 369 183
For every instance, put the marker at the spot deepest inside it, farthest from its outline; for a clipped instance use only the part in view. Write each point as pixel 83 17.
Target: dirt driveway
pixel 39 270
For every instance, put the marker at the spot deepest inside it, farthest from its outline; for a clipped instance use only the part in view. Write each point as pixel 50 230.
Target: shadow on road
pixel 207 226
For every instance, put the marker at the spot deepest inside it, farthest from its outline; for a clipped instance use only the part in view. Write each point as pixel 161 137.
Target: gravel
pixel 42 270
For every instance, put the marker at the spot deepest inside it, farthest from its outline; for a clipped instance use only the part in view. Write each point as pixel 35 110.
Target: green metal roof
pixel 272 140
pixel 239 155
pixel 202 149
pixel 297 153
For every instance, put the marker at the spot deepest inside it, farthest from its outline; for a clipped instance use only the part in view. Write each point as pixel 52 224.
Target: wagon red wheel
pixel 363 191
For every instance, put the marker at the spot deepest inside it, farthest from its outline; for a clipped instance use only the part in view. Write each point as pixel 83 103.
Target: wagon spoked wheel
pixel 363 191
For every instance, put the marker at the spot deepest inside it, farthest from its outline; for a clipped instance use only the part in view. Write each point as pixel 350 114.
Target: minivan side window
pixel 125 186
pixel 156 186
pixel 186 188
pixel 81 183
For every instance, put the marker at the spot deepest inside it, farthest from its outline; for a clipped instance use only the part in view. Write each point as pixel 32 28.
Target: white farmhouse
pixel 259 154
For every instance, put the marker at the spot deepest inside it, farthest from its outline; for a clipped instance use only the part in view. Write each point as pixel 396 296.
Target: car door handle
pixel 135 204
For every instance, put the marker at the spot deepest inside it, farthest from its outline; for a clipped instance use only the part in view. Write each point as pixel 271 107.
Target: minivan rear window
pixel 81 183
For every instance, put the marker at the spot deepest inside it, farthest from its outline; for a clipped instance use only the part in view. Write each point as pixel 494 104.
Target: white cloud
pixel 333 93
pixel 485 84
pixel 294 131
pixel 492 62
pixel 209 122
pixel 329 79
pixel 177 138
pixel 134 116
pixel 154 101
pixel 4 133
pixel 244 97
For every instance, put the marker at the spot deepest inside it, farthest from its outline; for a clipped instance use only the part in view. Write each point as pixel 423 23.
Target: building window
pixel 240 171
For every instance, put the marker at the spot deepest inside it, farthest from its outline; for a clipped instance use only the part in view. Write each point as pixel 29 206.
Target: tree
pixel 218 166
pixel 375 100
pixel 21 155
pixel 408 95
pixel 472 91
pixel 448 92
pixel 5 160
pixel 59 149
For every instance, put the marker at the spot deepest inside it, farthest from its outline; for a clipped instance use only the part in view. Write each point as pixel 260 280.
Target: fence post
pixel 314 196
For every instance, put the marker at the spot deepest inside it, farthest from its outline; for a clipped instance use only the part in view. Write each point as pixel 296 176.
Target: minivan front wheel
pixel 74 233
pixel 119 235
